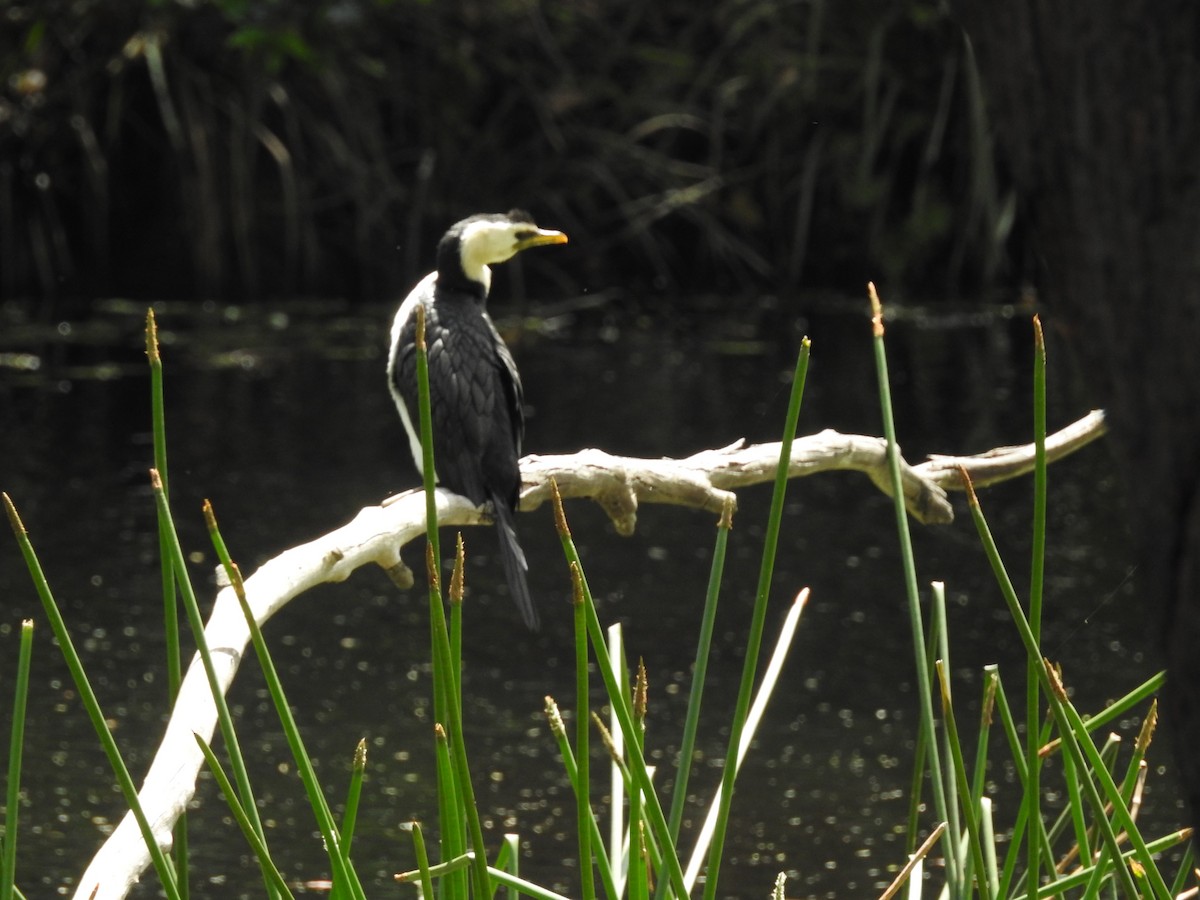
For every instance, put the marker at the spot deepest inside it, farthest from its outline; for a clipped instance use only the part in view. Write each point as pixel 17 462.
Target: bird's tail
pixel 515 566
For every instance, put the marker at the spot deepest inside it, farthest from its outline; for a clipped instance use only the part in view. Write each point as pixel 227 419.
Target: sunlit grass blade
pixel 691 723
pixel 455 596
pixel 519 886
pixel 638 886
pixel 269 870
pixel 987 708
pixel 450 813
pixel 618 775
pixel 354 794
pixel 619 703
pixel 916 803
pixel 770 678
pixel 500 877
pixel 16 744
pixel 987 838
pixel 162 866
pixel 448 681
pixel 600 855
pixel 622 777
pixel 963 785
pixel 437 870
pixel 757 622
pixel 422 861
pixel 938 651
pixel 158 419
pixel 509 860
pixel 924 686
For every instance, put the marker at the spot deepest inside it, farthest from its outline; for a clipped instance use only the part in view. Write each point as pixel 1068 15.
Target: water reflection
pixel 284 421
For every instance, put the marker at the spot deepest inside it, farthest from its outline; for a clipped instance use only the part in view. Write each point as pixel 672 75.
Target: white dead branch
pixel 705 481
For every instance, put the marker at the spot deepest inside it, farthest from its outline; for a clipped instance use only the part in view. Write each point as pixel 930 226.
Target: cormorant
pixel 474 389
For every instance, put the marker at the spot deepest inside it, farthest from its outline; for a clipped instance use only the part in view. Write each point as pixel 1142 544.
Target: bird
pixel 476 399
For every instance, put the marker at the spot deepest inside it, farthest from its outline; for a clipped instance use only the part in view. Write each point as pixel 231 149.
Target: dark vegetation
pixel 1100 122
pixel 242 150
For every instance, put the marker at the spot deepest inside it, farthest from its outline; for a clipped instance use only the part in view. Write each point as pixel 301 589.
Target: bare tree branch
pixel 705 480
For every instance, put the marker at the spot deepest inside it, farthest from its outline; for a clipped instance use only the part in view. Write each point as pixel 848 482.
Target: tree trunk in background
pixel 1095 106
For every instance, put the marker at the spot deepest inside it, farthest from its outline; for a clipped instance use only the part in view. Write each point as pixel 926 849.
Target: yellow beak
pixel 540 237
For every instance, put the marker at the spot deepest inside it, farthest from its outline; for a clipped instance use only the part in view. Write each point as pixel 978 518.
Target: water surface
pixel 284 421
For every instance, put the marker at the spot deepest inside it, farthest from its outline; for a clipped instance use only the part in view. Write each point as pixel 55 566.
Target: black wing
pixel 475 396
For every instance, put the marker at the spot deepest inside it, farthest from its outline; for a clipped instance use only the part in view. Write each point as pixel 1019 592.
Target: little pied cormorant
pixel 474 389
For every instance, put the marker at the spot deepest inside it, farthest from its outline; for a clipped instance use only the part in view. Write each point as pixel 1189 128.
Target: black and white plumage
pixel 474 389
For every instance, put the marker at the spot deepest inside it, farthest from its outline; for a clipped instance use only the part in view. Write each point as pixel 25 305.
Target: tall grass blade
pixel 158 419
pixel 354 795
pixel 162 866
pixel 447 682
pixel 583 799
pixel 270 872
pixel 600 855
pixel 617 774
pixel 962 783
pixel 16 744
pixel 516 885
pixel 691 723
pixel 450 813
pixel 422 861
pixel 638 887
pixel 987 837
pixel 509 860
pixel 757 622
pixel 987 707
pixel 939 651
pixel 1033 763
pixel 924 687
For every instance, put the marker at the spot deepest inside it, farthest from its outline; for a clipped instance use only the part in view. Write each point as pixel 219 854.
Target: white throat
pixel 482 244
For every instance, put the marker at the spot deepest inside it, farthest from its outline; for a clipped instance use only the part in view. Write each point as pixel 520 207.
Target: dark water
pixel 284 421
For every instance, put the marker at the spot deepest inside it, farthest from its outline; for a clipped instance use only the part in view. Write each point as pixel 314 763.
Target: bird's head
pixel 483 240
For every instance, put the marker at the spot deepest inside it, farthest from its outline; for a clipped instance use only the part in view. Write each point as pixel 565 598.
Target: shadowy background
pixel 243 150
